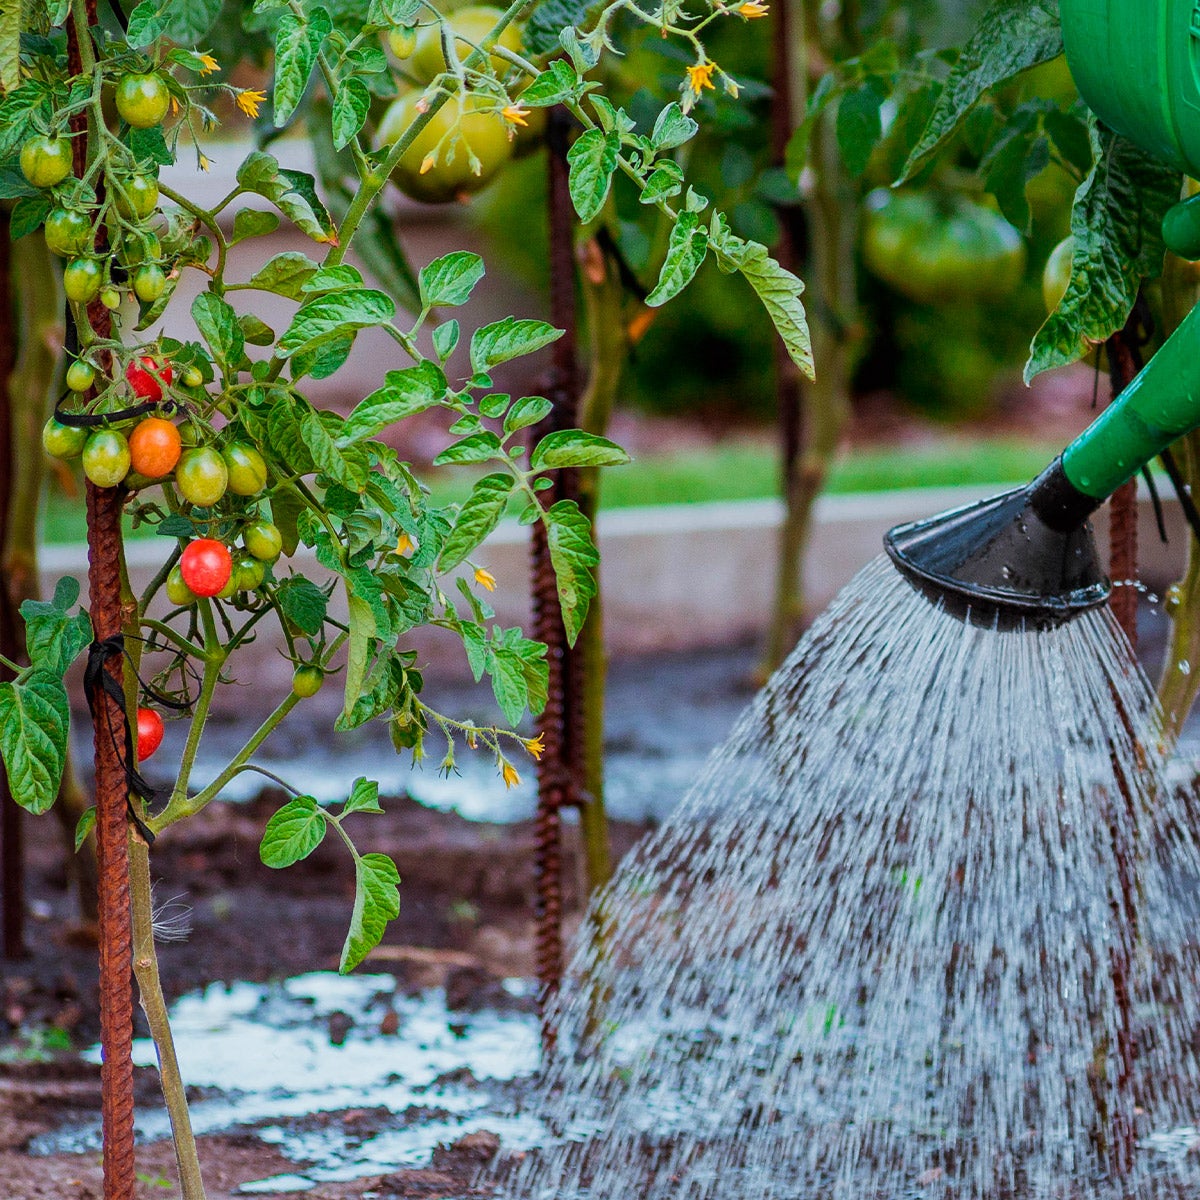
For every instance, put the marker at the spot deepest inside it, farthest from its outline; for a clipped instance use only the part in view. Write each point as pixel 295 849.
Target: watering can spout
pixel 1028 555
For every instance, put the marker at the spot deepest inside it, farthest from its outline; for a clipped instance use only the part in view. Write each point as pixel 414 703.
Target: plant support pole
pixel 1124 363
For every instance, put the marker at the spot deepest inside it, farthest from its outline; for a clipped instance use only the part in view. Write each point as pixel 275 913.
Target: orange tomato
pixel 154 447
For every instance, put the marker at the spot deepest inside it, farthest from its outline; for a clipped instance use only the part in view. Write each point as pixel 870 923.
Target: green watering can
pixel 1028 557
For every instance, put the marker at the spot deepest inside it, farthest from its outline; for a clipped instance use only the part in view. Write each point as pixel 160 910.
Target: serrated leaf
pixel 255 330
pixel 510 338
pixel 327 455
pixel 298 40
pixel 574 558
pixel 593 159
pixel 548 19
pixel 146 24
pixel 686 250
pixel 575 448
pixel 284 274
pixel 449 280
pixel 363 631
pixel 560 81
pixel 1011 37
pixel 527 411
pixel 350 110
pixel 292 833
pixel 218 325
pixel 376 902
pixel 53 637
pixel 478 447
pixel 334 315
pixel 479 515
pixel 405 392
pixel 445 339
pixel 27 215
pixel 302 602
pixel 35 718
pixel 251 222
pixel 1117 225
pixel 188 21
pixel 340 278
pixel 364 797
pixel 665 181
pixel 672 128
pixel 294 193
pixel 508 684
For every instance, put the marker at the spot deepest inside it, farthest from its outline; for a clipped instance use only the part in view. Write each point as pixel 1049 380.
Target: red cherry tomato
pixel 144 377
pixel 149 733
pixel 206 566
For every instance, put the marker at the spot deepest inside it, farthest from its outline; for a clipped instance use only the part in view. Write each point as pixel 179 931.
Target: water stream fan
pixel 1029 555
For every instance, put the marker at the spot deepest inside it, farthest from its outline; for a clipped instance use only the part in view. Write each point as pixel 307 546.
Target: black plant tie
pixel 96 680
pixel 92 420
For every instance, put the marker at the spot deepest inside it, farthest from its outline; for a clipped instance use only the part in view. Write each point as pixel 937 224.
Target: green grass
pixel 736 471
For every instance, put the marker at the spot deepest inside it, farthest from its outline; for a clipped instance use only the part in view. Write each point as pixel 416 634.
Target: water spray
pixel 1028 556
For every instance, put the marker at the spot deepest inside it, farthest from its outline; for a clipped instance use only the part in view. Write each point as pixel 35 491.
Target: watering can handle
pixel 1159 406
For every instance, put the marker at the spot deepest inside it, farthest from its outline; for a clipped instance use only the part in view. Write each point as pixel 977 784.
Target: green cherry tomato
pixel 106 458
pixel 231 588
pixel 307 680
pixel 141 247
pixel 201 476
pixel 247 469
pixel 143 100
pixel 468 27
pixel 46 161
pixel 68 232
pixel 149 282
pixel 1056 275
pixel 191 377
pixel 80 376
pixel 263 540
pixel 178 591
pixel 82 278
pixel 110 298
pixel 62 441
pixel 402 41
pixel 137 197
pixel 249 573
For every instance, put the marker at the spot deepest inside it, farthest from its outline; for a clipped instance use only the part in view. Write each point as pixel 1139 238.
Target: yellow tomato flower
pixel 208 64
pixel 485 578
pixel 515 114
pixel 404 544
pixel 536 747
pixel 203 160
pixel 249 100
pixel 509 773
pixel 752 9
pixel 700 76
pixel 428 163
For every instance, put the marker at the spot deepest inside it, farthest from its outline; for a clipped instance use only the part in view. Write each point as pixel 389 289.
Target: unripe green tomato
pixel 149 282
pixel 142 100
pixel 46 161
pixel 402 41
pixel 247 469
pixel 307 680
pixel 80 376
pixel 231 587
pixel 68 232
pixel 263 540
pixel 249 573
pixel 82 278
pixel 110 298
pixel 189 435
pixel 1056 277
pixel 201 476
pixel 470 25
pixel 192 377
pixel 142 247
pixel 106 457
pixel 137 197
pixel 178 592
pixel 485 132
pixel 63 441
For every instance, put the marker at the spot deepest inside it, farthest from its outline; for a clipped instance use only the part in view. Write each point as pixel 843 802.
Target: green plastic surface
pixel 1137 65
pixel 1160 405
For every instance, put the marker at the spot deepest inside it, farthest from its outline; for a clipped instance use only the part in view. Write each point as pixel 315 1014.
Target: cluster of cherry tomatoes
pixel 142 101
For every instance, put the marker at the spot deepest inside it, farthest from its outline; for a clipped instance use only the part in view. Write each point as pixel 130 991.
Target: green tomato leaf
pixel 1012 36
pixel 376 902
pixel 859 126
pixel 188 21
pixel 285 274
pixel 218 325
pixel 333 315
pixel 84 826
pixel 250 222
pixel 665 181
pixel 302 602
pixel 575 448
pixel 364 797
pixel 404 393
pixel 363 631
pixel 294 193
pixel 510 338
pixel 542 30
pixel 328 456
pixel 146 24
pixel 53 637
pixel 27 215
pixel 672 128
pixel 1117 224
pixel 686 250
pixel 298 40
pixel 593 159
pixel 342 278
pixel 255 330
pixel 478 447
pixel 527 411
pixel 445 339
pixel 292 833
pixel 560 81
pixel 35 718
pixel 350 111
pixel 574 558
pixel 479 515
pixel 449 280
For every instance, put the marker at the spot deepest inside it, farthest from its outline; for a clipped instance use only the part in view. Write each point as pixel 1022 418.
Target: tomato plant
pixel 136 197
pixel 80 376
pixel 205 566
pixel 307 680
pixel 81 280
pixel 106 457
pixel 63 441
pixel 46 161
pixel 263 540
pixel 247 469
pixel 68 232
pixel 201 476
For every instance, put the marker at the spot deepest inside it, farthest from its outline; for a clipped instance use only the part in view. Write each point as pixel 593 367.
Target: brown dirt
pixel 251 923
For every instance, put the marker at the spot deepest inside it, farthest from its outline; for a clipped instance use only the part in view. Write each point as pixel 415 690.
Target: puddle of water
pixel 267 1053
